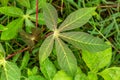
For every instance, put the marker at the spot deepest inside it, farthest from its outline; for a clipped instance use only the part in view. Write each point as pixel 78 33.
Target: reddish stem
pixel 36 13
pixel 13 54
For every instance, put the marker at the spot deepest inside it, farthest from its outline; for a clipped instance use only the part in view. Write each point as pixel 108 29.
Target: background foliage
pixel 73 40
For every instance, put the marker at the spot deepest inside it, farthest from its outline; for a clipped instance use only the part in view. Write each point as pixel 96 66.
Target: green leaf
pixel 36 77
pixel 98 60
pixel 2 28
pixel 35 70
pixel 25 3
pixel 61 75
pixel 40 19
pixel 33 6
pixel 11 11
pixel 92 76
pixel 111 73
pixel 10 71
pixel 2 51
pixel 4 2
pixel 48 69
pixel 84 41
pixel 66 59
pixel 25 60
pixel 46 48
pixel 12 30
pixel 16 57
pixel 50 16
pixel 2 54
pixel 29 25
pixel 80 75
pixel 73 3
pixel 77 19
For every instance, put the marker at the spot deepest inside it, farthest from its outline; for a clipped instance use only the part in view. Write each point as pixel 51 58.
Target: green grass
pixel 105 24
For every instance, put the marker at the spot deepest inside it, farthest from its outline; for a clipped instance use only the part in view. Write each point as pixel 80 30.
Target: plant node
pixel 26 16
pixel 56 33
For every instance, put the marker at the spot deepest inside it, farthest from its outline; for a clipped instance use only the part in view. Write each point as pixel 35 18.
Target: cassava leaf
pixel 12 30
pixel 11 11
pixel 2 28
pixel 46 48
pixel 77 19
pixel 84 41
pixel 66 59
pixel 50 16
pixel 48 69
pixel 40 19
pixel 10 71
pixel 25 3
pixel 98 60
pixel 111 73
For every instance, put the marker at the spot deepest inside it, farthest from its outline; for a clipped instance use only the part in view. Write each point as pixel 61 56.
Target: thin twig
pixel 109 6
pixel 36 13
pixel 13 54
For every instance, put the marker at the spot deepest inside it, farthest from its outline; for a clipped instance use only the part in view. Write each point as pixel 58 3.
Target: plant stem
pixel 13 54
pixel 36 13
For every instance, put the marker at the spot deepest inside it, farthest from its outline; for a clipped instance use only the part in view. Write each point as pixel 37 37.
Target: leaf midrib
pixel 48 46
pixel 62 27
pixel 52 18
pixel 80 41
pixel 18 15
pixel 64 53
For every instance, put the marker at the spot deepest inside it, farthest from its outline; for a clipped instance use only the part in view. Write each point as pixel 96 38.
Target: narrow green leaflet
pixel 61 75
pixel 12 30
pixel 73 3
pixel 2 51
pixel 2 28
pixel 50 16
pixel 25 60
pixel 48 69
pixel 66 59
pixel 77 19
pixel 11 11
pixel 25 3
pixel 29 25
pixel 111 73
pixel 98 60
pixel 10 71
pixel 40 19
pixel 32 9
pixel 35 70
pixel 46 48
pixel 84 41
pixel 4 2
